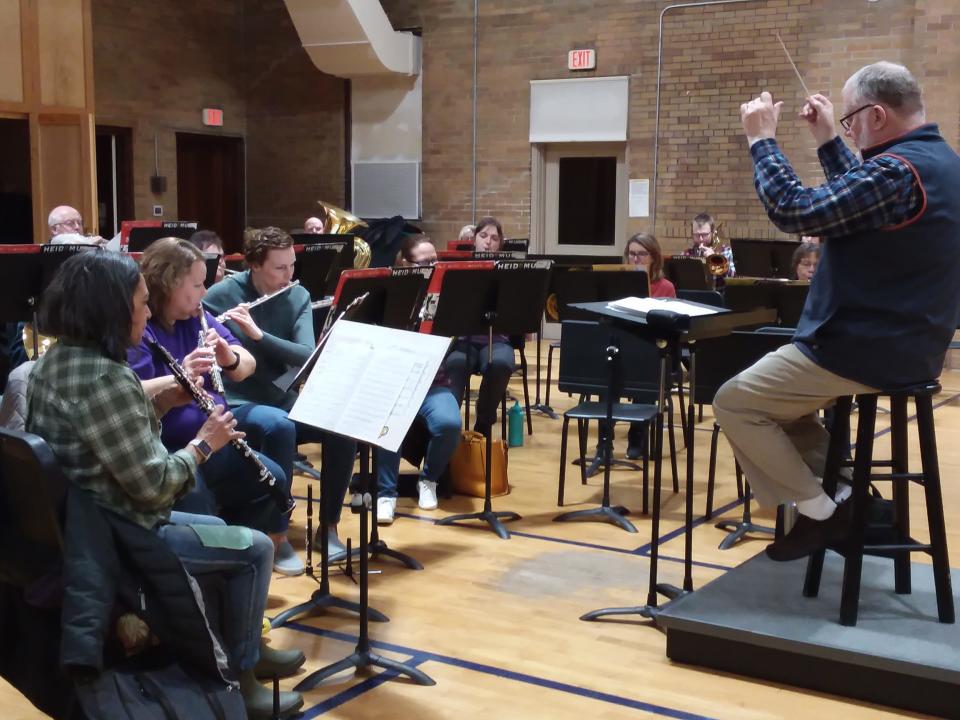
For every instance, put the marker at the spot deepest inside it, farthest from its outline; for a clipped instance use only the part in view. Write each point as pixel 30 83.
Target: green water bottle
pixel 515 425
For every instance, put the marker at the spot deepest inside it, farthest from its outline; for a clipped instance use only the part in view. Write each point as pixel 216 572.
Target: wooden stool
pixel 901 544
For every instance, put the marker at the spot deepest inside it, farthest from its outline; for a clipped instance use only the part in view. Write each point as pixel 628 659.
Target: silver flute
pixel 216 376
pixel 260 300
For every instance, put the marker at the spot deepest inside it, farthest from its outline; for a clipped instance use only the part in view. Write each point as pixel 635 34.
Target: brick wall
pixel 714 59
pixel 156 64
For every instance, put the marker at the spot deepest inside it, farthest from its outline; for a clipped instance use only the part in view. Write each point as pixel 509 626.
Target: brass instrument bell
pixel 44 342
pixel 341 222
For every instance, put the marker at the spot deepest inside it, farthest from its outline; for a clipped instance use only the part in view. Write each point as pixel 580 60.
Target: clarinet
pixel 205 403
pixel 216 378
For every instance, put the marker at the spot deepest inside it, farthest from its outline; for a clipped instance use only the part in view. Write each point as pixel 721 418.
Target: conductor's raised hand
pixel 759 117
pixel 818 113
pixel 219 429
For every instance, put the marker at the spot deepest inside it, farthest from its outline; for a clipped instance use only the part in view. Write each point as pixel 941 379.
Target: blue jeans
pixel 336 469
pixel 240 497
pixel 247 576
pixel 466 358
pixel 270 431
pixel 441 414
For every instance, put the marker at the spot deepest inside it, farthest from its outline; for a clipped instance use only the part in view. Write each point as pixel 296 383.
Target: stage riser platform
pixel 754 621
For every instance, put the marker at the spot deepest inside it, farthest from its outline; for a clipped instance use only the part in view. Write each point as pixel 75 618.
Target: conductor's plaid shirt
pixel 877 193
pixel 104 432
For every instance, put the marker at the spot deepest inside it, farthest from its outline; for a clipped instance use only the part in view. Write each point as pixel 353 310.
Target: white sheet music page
pixel 369 382
pixel 645 305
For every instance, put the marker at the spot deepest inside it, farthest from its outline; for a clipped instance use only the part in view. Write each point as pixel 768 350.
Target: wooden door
pixel 210 185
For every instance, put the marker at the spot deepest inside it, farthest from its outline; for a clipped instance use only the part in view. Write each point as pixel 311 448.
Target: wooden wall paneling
pixel 62 162
pixel 62 62
pixel 11 49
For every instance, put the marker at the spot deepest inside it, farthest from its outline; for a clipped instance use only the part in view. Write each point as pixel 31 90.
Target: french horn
pixel 341 222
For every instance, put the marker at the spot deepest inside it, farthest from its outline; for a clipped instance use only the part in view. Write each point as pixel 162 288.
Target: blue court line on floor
pixel 421 656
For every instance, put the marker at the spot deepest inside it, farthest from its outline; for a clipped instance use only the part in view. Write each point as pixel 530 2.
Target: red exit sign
pixel 213 117
pixel 582 60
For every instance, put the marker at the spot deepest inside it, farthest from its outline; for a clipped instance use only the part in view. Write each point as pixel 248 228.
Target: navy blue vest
pixel 884 304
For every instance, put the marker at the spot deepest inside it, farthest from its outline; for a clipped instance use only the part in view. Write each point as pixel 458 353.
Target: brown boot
pixel 258 699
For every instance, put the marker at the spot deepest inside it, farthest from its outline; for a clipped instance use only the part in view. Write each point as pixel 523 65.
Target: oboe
pixel 205 403
pixel 216 377
pixel 260 300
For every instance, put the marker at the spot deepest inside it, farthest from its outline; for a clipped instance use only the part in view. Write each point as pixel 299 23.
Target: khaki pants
pixel 769 415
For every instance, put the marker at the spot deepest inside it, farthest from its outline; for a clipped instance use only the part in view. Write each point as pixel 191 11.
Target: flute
pixel 216 377
pixel 205 403
pixel 260 300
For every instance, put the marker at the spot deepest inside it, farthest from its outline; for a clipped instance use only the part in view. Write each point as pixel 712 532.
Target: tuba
pixel 44 342
pixel 340 222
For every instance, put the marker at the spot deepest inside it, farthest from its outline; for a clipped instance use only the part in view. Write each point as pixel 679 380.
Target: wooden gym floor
pixel 495 622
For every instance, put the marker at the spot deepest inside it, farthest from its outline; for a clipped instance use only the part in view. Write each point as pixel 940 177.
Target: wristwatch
pixel 203 449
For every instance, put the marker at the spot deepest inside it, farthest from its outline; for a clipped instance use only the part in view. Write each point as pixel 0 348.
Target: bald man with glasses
pixel 66 228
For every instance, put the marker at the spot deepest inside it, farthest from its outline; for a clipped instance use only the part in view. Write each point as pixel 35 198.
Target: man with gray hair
pixel 883 305
pixel 66 228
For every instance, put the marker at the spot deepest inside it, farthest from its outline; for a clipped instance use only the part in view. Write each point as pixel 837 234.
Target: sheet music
pixel 645 305
pixel 369 382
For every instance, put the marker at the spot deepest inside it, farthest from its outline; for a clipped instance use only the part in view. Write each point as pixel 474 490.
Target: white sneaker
pixel 428 494
pixel 386 506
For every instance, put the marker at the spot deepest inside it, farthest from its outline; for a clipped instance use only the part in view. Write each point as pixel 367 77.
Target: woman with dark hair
pixel 805 259
pixel 470 354
pixel 103 428
pixel 644 250
pixel 439 412
pixel 207 241
pixel 488 235
pixel 174 271
pixel 278 334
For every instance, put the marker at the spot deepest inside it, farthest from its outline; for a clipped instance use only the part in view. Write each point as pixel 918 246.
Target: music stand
pixel 591 285
pixel 315 265
pixel 143 237
pixel 561 263
pixel 688 273
pixel 668 331
pixel 508 300
pixel 20 284
pixel 363 501
pixel 786 296
pixel 764 258
pixel 343 242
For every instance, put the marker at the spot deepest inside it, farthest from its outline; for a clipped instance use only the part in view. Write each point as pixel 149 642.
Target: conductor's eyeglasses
pixel 845 120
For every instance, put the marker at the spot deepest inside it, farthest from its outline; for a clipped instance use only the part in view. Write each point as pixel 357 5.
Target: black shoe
pixel 636 442
pixel 808 535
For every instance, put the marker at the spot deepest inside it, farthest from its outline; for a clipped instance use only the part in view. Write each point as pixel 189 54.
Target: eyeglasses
pixel 638 254
pixel 845 120
pixel 75 223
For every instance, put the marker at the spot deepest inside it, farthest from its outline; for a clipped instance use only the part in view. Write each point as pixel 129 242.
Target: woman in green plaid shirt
pixel 102 424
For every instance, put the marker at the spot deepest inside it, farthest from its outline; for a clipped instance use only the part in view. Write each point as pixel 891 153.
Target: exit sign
pixel 582 60
pixel 213 117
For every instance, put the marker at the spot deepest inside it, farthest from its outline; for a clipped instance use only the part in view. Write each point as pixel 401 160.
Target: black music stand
pixel 362 657
pixel 561 263
pixel 787 297
pixel 20 286
pixel 668 330
pixel 688 273
pixel 319 264
pixel 764 258
pixel 589 285
pixel 508 300
pixel 392 301
pixel 143 237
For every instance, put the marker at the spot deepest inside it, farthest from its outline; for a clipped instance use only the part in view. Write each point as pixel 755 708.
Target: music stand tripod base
pixel 362 658
pixel 491 517
pixel 321 600
pixel 739 529
pixel 612 514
